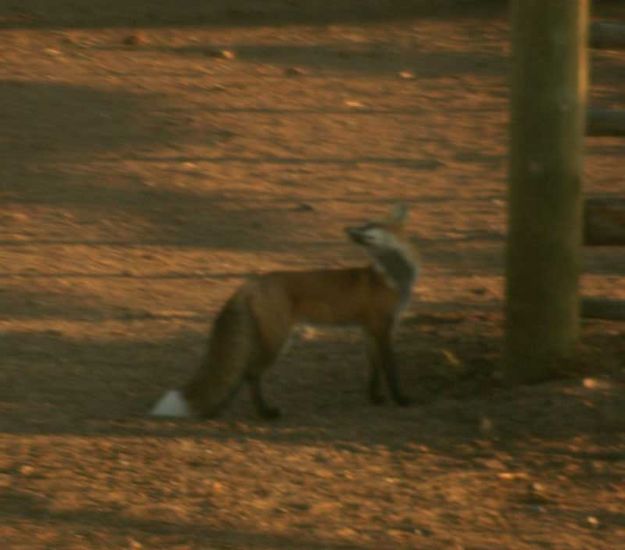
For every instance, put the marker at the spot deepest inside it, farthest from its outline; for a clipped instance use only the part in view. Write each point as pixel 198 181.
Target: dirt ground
pixel 153 154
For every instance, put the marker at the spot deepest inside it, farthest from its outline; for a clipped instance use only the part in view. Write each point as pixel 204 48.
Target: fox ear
pixel 399 213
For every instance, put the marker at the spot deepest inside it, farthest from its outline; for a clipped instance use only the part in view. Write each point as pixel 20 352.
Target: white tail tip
pixel 173 405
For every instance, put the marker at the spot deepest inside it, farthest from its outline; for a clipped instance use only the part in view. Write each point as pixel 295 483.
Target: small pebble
pixel 294 71
pixel 27 470
pixel 135 39
pixel 593 521
pixel 304 207
pixel 354 104
pixel 219 53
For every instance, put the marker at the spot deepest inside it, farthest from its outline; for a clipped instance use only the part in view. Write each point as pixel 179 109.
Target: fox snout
pixel 357 235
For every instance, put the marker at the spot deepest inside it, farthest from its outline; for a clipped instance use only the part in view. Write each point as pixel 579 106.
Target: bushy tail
pixel 233 345
pixel 172 405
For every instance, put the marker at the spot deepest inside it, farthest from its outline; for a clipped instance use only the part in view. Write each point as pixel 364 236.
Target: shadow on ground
pixel 55 384
pixel 16 506
pixel 35 14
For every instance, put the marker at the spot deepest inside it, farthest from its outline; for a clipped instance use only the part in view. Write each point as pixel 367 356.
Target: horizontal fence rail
pixel 607 36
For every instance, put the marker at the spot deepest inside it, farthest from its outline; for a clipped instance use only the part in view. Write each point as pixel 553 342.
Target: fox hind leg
pixel 273 327
pixel 264 410
pixel 254 377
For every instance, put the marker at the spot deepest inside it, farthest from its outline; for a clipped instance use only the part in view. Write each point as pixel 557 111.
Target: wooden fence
pixel 604 217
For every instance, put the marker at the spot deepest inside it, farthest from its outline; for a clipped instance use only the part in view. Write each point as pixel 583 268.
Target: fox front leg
pixel 389 365
pixel 382 360
pixel 375 371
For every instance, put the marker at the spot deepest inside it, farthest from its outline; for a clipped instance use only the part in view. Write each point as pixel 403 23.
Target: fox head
pixel 389 248
pixel 383 234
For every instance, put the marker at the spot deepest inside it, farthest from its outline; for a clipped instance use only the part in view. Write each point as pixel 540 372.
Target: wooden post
pixel 548 106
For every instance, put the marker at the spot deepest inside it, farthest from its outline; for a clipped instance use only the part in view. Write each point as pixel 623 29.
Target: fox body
pixel 253 326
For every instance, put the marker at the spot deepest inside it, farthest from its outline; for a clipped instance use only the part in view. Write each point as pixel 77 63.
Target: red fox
pixel 254 324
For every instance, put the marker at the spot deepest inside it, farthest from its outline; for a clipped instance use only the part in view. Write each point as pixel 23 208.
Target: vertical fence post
pixel 548 106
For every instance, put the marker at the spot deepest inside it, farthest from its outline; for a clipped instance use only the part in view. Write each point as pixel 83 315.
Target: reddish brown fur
pixel 355 296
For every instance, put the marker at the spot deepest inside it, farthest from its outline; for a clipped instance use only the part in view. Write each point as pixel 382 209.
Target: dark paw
pixel 270 413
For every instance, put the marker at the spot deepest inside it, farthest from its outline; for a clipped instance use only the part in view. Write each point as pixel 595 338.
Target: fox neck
pixel 399 268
